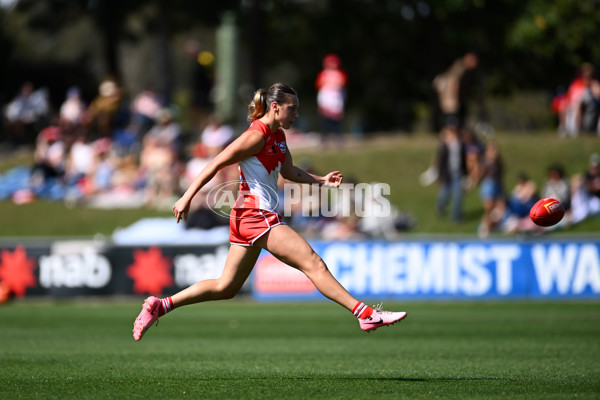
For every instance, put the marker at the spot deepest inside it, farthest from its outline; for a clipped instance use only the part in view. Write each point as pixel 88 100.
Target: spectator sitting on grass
pixel 216 135
pixel 49 158
pixel 159 160
pixel 144 108
pixel 585 191
pixel 26 114
pixel 99 181
pixel 102 111
pixel 80 163
pixel 523 197
pixel 557 186
pixel 71 115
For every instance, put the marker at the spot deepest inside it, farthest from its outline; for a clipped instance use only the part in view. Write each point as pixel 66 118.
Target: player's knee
pixel 228 294
pixel 226 290
pixel 315 264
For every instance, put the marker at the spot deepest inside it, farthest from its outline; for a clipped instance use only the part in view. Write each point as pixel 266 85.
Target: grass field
pixel 244 350
pixel 394 159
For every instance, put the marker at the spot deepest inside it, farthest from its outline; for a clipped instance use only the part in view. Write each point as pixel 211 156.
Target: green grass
pixel 243 350
pixel 52 219
pixel 396 159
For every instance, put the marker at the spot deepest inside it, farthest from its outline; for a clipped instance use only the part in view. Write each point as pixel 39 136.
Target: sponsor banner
pixel 369 269
pixel 272 277
pixel 444 270
pixel 73 268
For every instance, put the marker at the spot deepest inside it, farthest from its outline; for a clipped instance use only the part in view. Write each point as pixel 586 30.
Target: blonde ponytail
pixel 258 106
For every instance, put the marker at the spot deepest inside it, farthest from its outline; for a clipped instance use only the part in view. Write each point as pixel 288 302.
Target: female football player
pixel 262 155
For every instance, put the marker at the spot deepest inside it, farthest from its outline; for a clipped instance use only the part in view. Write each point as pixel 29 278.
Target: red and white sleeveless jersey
pixel 260 172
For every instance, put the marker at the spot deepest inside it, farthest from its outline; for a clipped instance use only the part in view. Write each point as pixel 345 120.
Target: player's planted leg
pixel 238 266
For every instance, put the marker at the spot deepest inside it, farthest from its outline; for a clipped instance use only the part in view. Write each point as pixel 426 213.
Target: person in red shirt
pixel 331 95
pixel 262 155
pixel 568 105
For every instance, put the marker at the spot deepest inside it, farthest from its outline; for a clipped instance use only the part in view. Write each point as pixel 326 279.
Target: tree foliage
pixel 391 49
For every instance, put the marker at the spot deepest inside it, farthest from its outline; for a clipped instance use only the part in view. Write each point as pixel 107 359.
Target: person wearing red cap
pixel 331 85
pixel 50 153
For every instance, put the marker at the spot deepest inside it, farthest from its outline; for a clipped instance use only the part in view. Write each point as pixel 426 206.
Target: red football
pixel 547 212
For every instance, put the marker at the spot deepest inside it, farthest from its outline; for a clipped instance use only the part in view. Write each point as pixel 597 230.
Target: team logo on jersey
pixel 277 148
pixel 282 147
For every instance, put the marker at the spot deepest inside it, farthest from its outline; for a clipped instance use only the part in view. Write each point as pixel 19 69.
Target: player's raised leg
pixel 239 264
pixel 291 248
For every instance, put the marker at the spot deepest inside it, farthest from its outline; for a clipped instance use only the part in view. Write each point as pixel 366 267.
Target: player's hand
pixel 333 179
pixel 181 209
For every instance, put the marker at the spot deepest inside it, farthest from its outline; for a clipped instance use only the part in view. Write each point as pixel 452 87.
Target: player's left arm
pixel 295 174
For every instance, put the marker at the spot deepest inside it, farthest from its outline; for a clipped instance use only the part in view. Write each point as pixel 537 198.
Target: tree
pixel 553 38
pixel 111 19
pixel 391 49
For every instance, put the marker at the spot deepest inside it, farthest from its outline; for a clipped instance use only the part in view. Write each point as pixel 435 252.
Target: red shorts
pixel 248 224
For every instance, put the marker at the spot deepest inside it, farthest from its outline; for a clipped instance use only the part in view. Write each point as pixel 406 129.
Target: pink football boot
pixel 147 316
pixel 380 318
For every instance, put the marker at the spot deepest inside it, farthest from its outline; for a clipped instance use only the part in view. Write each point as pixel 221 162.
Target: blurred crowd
pixel 123 151
pixel 126 151
pixel 115 151
pixel 464 163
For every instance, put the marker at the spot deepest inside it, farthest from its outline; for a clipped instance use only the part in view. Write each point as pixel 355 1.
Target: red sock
pixel 362 311
pixel 166 306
